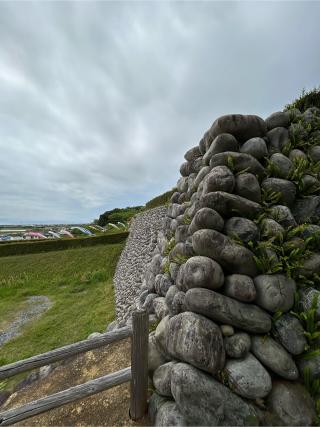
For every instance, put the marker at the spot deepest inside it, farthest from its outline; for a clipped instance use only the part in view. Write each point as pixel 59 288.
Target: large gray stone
pixel 240 287
pixel 297 154
pixel 206 218
pixel 278 119
pixel 160 307
pixel 161 333
pixel 274 292
pixel 274 356
pixel 206 402
pixel 310 265
pixel 314 153
pixel 290 334
pixel 286 189
pixel 282 215
pixel 148 302
pixel 248 186
pixel 278 138
pixel 241 228
pixel 181 250
pixel 271 228
pixel 170 296
pixel 196 340
pixel 187 168
pixel 229 205
pixel 202 272
pixel 181 233
pixel 223 142
pixel 237 345
pixel 248 378
pixel 281 165
pixel 232 257
pixel 199 178
pixel 178 305
pixel 192 154
pixel 168 414
pixel 242 127
pixel 256 147
pixel 156 357
pixel 226 310
pixel 240 162
pixel 162 379
pixel 307 209
pixel 182 184
pixel 220 178
pixel 292 403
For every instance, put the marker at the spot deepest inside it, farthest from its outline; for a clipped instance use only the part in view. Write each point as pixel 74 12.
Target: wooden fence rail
pixel 63 352
pixel 137 373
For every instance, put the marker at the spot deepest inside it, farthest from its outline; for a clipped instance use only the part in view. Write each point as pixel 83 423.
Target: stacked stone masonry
pixel 236 266
pixel 136 255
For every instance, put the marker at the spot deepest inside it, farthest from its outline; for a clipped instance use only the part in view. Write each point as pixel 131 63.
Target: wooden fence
pixel 137 373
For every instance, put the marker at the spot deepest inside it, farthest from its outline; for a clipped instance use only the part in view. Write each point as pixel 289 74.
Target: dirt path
pixel 109 408
pixel 34 307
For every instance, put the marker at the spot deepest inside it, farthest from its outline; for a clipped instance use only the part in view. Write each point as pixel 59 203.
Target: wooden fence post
pixel 139 364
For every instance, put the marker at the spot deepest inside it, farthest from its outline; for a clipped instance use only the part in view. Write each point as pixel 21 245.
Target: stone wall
pixel 238 254
pixel 136 255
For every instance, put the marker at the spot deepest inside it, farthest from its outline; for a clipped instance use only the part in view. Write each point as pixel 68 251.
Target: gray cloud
pixel 99 101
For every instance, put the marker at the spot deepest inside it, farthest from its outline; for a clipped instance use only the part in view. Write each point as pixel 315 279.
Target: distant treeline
pixel 119 215
pixel 36 246
pixel 125 214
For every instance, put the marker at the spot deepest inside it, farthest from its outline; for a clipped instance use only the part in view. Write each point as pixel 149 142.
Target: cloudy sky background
pixel 99 101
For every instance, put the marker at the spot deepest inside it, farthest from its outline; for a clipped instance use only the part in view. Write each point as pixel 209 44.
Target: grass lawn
pixel 79 284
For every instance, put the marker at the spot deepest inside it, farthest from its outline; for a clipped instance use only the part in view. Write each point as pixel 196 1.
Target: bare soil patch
pixel 109 408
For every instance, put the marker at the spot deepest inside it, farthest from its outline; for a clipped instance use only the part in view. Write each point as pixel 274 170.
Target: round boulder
pixel 206 218
pixel 257 147
pixel 278 119
pixel 196 340
pixel 247 186
pixel 290 334
pixel 240 287
pixel 292 403
pixel 286 189
pixel 278 138
pixel 232 257
pixel 242 228
pixel 237 345
pixel 274 356
pixel 219 179
pixel 202 272
pixel 223 142
pixel 281 165
pixel 275 292
pixel 248 378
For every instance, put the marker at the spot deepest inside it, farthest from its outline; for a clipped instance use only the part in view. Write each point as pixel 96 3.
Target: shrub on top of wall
pixel 36 246
pixel 306 100
pixel 161 200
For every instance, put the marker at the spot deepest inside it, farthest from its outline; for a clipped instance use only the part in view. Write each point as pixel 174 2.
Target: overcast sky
pixel 99 101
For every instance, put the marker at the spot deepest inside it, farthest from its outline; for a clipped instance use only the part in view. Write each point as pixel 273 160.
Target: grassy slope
pixel 78 282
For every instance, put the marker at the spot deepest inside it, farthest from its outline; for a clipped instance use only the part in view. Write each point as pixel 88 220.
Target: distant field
pixel 77 281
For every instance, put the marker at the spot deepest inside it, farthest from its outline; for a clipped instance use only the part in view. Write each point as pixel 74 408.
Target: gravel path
pixel 36 305
pixel 134 258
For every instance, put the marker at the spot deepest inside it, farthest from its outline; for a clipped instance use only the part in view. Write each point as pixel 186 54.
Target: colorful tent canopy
pixel 35 234
pixel 65 232
pixel 56 235
pixel 82 229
